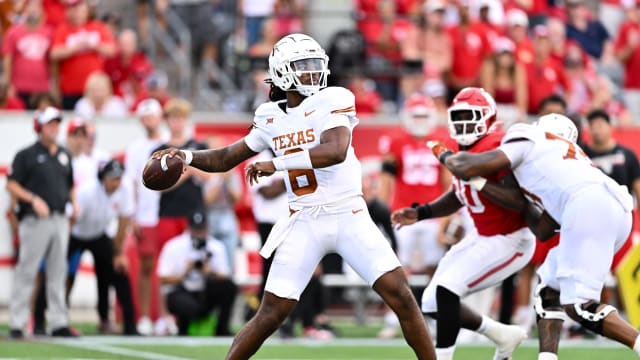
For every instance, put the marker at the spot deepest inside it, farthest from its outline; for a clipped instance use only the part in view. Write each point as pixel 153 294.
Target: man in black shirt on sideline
pixel 619 162
pixel 615 160
pixel 41 179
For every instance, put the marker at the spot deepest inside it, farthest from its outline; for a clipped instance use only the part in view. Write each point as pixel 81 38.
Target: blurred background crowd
pixel 103 57
pixel 161 60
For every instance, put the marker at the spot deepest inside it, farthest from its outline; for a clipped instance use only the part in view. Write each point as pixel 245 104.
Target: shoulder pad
pixel 337 100
pixel 267 110
pixel 521 131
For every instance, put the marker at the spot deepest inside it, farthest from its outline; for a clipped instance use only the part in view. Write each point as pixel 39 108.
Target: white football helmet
pixel 559 125
pixel 419 116
pixel 298 60
pixel 471 115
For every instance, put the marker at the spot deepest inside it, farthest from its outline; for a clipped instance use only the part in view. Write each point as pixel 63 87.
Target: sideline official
pixel 41 179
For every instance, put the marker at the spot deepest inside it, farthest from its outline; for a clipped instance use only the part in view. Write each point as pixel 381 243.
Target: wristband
pixel 424 212
pixel 188 156
pixel 296 160
pixel 443 157
pixel 477 182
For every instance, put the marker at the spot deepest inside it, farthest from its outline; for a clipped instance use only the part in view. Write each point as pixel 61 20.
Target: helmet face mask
pixel 298 63
pixel 471 115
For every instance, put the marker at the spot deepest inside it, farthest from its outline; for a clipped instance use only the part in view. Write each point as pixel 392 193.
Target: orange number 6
pixel 309 174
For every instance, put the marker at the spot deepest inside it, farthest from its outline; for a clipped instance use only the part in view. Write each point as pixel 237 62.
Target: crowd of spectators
pixel 520 51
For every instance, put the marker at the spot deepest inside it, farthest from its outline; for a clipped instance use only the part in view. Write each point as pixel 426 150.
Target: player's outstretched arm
pixel 506 194
pixel 212 160
pixel 445 205
pixel 467 165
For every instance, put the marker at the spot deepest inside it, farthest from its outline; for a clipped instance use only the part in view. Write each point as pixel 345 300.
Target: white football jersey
pixel 300 128
pixel 554 170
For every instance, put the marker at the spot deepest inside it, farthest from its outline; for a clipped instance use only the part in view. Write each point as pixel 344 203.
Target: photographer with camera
pixel 195 276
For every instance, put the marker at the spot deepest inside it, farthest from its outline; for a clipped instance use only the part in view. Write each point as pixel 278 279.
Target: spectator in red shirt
pixel 128 68
pixel 470 48
pixel 438 47
pixel 544 76
pixel 25 48
pixel 628 52
pixel 504 78
pixel 517 25
pixel 80 46
pixel 368 100
pixel 54 10
pixel 558 38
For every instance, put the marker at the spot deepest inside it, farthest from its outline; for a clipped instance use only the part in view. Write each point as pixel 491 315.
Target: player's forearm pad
pixel 296 160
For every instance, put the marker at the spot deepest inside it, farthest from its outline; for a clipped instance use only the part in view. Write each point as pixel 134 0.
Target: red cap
pixel 76 123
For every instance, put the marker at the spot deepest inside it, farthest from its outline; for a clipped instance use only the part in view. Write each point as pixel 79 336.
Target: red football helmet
pixel 471 115
pixel 419 115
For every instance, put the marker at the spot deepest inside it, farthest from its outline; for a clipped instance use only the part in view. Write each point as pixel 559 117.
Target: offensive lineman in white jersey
pixel 594 214
pixel 310 133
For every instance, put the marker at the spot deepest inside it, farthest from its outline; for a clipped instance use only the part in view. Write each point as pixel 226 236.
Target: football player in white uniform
pixel 310 133
pixel 554 173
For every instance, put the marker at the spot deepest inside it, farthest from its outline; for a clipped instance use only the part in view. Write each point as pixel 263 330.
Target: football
pixel 161 174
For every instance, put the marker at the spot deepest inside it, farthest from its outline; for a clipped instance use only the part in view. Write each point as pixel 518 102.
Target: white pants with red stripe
pixel 478 262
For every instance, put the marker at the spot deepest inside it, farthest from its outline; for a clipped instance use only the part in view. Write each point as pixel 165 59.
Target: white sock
pixel 636 346
pixel 491 329
pixel 445 353
pixel 486 324
pixel 547 356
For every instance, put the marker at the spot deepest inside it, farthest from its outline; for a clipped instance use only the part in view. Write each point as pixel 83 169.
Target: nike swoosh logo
pixel 309 113
pixel 356 211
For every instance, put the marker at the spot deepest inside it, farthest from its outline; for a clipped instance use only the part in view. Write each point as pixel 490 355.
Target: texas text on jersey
pixel 299 128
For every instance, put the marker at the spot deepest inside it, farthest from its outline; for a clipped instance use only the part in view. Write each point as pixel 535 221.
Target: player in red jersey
pixel 411 173
pixel 501 245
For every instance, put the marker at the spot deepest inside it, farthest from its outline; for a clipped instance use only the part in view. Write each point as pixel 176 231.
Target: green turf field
pixel 215 348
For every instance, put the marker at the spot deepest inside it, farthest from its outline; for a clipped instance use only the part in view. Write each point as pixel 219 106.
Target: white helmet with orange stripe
pixel 298 62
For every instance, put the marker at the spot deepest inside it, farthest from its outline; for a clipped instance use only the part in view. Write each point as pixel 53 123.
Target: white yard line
pixel 93 341
pixel 110 349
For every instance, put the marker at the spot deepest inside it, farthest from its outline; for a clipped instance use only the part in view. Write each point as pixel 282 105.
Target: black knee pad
pixel 588 315
pixel 547 304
